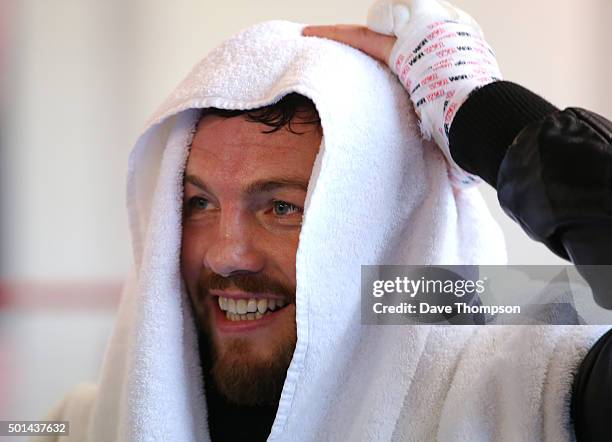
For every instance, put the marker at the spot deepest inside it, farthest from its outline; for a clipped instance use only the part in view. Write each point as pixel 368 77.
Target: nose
pixel 233 249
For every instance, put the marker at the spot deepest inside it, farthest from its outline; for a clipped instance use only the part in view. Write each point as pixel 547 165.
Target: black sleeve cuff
pixel 487 123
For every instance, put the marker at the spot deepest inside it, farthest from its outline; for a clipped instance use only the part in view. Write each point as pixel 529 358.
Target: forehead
pixel 236 149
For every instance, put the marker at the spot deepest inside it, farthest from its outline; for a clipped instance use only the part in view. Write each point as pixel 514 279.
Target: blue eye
pixel 198 203
pixel 282 208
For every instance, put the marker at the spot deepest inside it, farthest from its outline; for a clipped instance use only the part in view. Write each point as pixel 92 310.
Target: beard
pixel 233 368
pixel 244 378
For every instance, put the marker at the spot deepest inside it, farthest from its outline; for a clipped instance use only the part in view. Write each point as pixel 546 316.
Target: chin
pixel 248 373
pixel 248 367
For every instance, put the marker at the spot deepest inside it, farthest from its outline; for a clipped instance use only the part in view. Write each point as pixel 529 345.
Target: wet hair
pixel 276 116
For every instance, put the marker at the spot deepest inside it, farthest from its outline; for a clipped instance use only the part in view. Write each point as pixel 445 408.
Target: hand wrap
pixel 440 57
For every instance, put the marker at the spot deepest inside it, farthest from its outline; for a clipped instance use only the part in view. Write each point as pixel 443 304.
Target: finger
pixel 360 37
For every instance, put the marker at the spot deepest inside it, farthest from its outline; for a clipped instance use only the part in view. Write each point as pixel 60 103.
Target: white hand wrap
pixel 440 57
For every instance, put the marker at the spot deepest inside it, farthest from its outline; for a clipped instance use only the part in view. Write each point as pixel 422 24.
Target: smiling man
pixel 241 320
pixel 244 190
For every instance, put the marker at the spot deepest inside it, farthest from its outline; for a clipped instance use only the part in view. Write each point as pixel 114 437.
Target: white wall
pixel 65 143
pixel 47 354
pixel 84 75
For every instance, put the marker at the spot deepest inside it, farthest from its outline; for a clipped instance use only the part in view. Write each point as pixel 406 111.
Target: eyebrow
pixel 261 186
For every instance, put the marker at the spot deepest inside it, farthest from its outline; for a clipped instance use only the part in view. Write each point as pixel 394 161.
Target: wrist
pixel 440 65
pixel 486 124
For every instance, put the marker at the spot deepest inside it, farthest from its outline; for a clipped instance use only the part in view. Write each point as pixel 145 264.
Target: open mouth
pixel 248 309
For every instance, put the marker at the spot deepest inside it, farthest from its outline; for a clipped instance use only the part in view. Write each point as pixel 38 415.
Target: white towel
pixel 378 194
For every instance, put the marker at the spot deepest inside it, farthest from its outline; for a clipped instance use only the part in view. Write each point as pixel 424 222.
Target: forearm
pixel 552 168
pixel 488 122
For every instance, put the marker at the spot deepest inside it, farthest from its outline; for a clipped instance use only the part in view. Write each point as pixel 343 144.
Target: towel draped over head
pixel 378 194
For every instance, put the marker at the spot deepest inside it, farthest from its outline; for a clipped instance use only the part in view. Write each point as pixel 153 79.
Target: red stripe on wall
pixel 61 296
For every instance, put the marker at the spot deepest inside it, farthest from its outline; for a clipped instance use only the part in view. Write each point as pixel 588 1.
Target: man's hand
pixel 387 20
pixel 437 51
pixel 372 43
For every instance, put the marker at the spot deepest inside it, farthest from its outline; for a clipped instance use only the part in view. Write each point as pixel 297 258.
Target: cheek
pixel 192 255
pixel 282 249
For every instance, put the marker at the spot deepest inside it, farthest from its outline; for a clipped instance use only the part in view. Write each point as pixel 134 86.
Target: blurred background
pixel 78 79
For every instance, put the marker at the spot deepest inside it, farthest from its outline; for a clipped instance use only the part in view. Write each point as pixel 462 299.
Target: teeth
pixel 231 305
pixel 248 309
pixel 241 306
pixel 262 306
pixel 248 317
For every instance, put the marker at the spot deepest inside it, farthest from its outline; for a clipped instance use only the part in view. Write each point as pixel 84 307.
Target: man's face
pixel 243 204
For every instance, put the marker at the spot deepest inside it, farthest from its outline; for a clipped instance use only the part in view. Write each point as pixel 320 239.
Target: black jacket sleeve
pixel 553 173
pixel 591 406
pixel 552 170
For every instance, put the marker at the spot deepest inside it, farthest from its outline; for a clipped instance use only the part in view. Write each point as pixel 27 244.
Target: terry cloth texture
pixel 378 194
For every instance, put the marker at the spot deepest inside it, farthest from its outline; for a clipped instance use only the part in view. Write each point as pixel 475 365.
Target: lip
pixel 224 325
pixel 237 294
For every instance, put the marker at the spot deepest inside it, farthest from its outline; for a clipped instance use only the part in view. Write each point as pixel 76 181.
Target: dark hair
pixel 276 116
